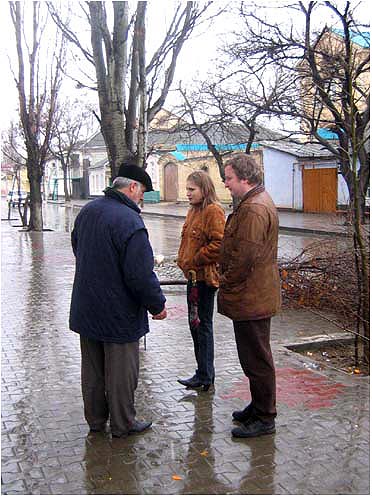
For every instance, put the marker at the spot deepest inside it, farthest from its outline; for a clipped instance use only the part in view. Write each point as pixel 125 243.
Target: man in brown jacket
pixel 250 289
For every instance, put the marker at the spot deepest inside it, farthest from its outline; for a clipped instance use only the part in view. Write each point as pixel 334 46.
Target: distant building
pixel 298 176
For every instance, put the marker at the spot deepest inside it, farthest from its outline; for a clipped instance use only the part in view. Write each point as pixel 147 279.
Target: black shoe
pixel 188 381
pixel 254 428
pixel 195 383
pixel 139 426
pixel 244 415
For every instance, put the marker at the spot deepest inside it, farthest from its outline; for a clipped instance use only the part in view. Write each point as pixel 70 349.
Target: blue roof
pixel 361 39
pixel 327 134
pixel 203 147
pixel 178 155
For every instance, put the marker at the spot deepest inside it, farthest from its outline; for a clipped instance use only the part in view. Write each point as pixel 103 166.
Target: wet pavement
pixel 322 440
pixel 291 221
pixel 165 230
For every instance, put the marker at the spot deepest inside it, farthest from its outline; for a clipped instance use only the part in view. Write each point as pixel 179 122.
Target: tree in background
pixel 324 72
pixel 130 89
pixel 220 111
pixel 37 86
pixel 15 155
pixel 326 75
pixel 68 131
pixel 286 62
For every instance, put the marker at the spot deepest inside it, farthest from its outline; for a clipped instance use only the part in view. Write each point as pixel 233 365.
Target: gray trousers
pixel 109 378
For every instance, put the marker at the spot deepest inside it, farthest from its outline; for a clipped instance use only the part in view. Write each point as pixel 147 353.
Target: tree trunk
pixel 142 87
pixel 110 72
pixel 112 128
pixel 65 183
pixel 38 108
pixel 36 203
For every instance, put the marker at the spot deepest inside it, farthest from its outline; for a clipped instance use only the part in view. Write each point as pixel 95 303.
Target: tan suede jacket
pixel 200 243
pixel 249 276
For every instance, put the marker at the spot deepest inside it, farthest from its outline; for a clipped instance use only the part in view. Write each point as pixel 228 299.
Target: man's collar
pixel 121 197
pixel 253 191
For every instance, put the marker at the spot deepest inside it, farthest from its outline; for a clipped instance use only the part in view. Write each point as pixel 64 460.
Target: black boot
pixel 254 428
pixel 244 415
pixel 188 381
pixel 194 383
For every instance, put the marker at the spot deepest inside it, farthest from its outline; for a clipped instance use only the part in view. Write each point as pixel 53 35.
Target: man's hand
pixel 161 315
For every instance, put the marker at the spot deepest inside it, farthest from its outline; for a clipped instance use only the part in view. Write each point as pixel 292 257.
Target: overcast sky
pixel 196 56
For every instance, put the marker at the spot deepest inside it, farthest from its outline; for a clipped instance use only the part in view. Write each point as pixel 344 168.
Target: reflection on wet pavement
pixel 321 445
pixel 165 233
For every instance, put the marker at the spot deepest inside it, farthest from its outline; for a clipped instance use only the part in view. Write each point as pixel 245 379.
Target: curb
pixel 281 228
pixel 181 216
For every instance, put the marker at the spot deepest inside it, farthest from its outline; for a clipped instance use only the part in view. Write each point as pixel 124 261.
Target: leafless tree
pixel 310 79
pixel 125 82
pixel 12 147
pixel 15 155
pixel 326 75
pixel 37 91
pixel 220 109
pixel 68 129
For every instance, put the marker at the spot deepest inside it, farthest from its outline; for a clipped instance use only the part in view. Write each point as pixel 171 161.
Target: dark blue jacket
pixel 114 284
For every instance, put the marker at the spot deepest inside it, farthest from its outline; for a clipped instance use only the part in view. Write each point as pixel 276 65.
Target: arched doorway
pixel 170 182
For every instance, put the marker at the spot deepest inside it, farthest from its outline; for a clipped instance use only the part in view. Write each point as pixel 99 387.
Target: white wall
pixel 97 181
pixel 153 170
pixel 342 191
pixel 283 179
pixel 53 171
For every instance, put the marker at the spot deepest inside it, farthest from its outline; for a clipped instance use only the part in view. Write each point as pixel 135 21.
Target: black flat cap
pixel 135 172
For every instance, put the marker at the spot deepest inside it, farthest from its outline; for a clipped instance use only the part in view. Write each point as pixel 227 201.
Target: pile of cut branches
pixel 322 276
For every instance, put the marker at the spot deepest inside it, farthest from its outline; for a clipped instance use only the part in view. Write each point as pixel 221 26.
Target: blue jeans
pixel 203 335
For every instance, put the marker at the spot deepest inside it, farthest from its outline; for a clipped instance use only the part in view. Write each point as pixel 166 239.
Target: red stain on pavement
pixel 295 387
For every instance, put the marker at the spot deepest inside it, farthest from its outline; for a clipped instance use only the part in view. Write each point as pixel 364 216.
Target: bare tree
pixel 11 145
pixel 37 91
pixel 310 79
pixel 125 81
pixel 221 111
pixel 68 127
pixel 15 154
pixel 326 76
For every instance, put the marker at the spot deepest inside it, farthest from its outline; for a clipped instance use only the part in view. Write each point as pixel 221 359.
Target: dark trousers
pixel 109 377
pixel 202 336
pixel 254 351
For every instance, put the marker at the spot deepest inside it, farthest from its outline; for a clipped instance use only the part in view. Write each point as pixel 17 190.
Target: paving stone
pixel 322 439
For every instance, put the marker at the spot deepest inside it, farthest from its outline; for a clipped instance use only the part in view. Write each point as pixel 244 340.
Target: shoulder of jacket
pixel 253 207
pixel 213 209
pixel 125 216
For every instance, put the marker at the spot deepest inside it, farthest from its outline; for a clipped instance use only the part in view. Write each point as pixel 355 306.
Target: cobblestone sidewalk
pixel 322 440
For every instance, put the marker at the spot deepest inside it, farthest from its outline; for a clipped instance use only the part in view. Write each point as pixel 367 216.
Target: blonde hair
pixel 206 185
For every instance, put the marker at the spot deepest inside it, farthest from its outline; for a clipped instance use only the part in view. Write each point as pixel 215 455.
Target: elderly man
pixel 114 287
pixel 250 289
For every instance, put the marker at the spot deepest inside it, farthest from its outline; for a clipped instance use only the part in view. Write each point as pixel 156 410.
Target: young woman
pixel 199 251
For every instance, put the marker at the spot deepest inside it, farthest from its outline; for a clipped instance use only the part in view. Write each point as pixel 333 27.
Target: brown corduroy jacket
pixel 200 243
pixel 249 276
